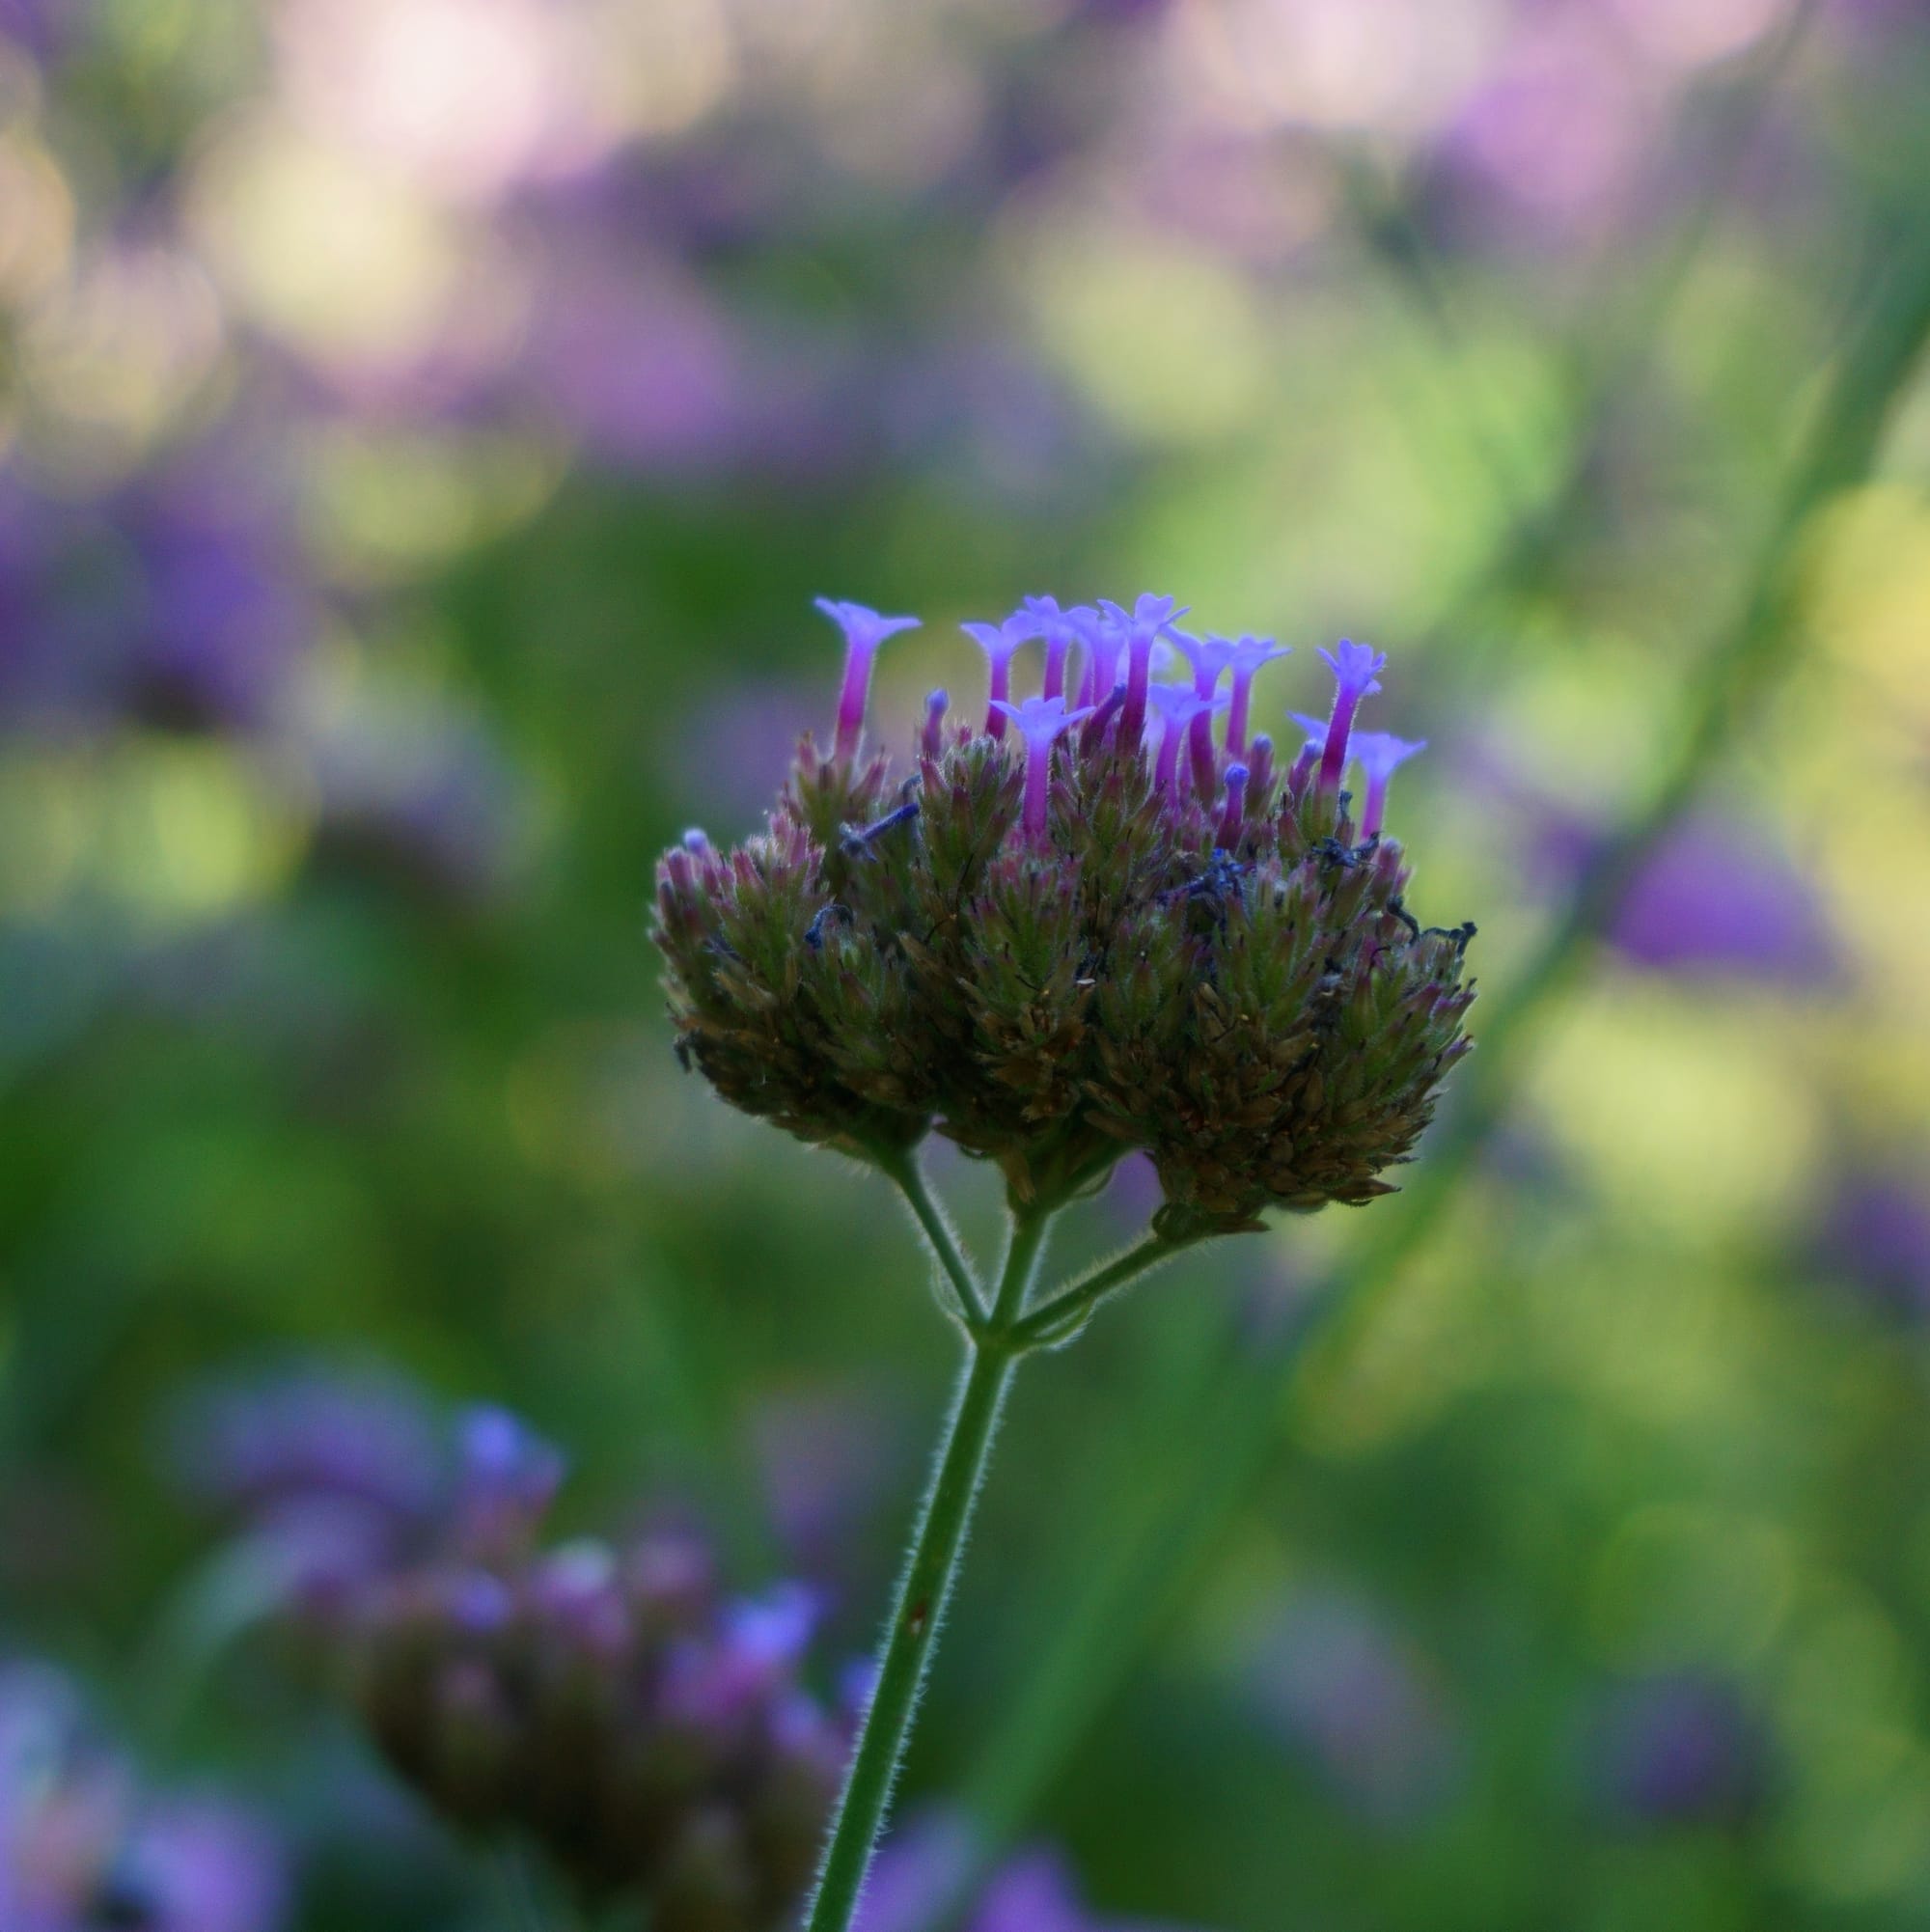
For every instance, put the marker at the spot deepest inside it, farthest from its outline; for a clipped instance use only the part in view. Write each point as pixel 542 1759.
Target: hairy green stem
pixel 1055 1319
pixel 919 1604
pixel 904 1170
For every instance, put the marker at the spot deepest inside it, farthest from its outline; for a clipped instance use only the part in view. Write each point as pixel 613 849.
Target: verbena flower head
pixel 1055 944
pixel 609 1705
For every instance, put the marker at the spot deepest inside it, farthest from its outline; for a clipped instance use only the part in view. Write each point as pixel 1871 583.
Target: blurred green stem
pixel 519 1893
pixel 909 1177
pixel 919 1604
pixel 1601 369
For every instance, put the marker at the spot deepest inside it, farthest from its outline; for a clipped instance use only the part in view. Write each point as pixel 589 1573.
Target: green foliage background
pixel 1636 497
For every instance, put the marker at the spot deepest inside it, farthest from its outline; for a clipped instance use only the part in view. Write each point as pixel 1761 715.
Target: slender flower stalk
pixel 927 1582
pixel 1379 755
pixel 1058 1320
pixel 1210 658
pixel 1179 710
pixel 1040 722
pixel 1250 653
pixel 1150 616
pixel 1104 640
pixel 1354 667
pixel 902 1167
pixel 999 641
pixel 864 631
pixel 1060 630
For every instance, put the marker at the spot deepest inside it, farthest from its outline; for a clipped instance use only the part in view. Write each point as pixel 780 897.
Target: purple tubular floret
pixel 864 631
pixel 1354 667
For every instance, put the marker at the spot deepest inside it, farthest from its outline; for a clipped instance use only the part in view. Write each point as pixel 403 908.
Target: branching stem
pixel 903 1169
pixel 1050 1322
pixel 919 1604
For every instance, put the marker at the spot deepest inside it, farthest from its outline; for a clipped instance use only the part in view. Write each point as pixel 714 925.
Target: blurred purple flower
pixel 1879 17
pixel 638 363
pixel 731 748
pixel 365 1435
pixel 1132 1196
pixel 336 1475
pixel 981 413
pixel 1717 900
pixel 1680 1750
pixel 1557 128
pixel 44 28
pixel 1877 1236
pixel 327 1475
pixel 1354 1699
pixel 648 1735
pixel 200 1866
pixel 181 599
pixel 227 608
pixel 507 1477
pixel 918 1866
pixel 716 1682
pixel 81 1847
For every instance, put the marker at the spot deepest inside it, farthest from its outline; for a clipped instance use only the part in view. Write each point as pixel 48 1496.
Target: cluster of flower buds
pixel 610 1707
pixel 328 1476
pixel 1086 922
